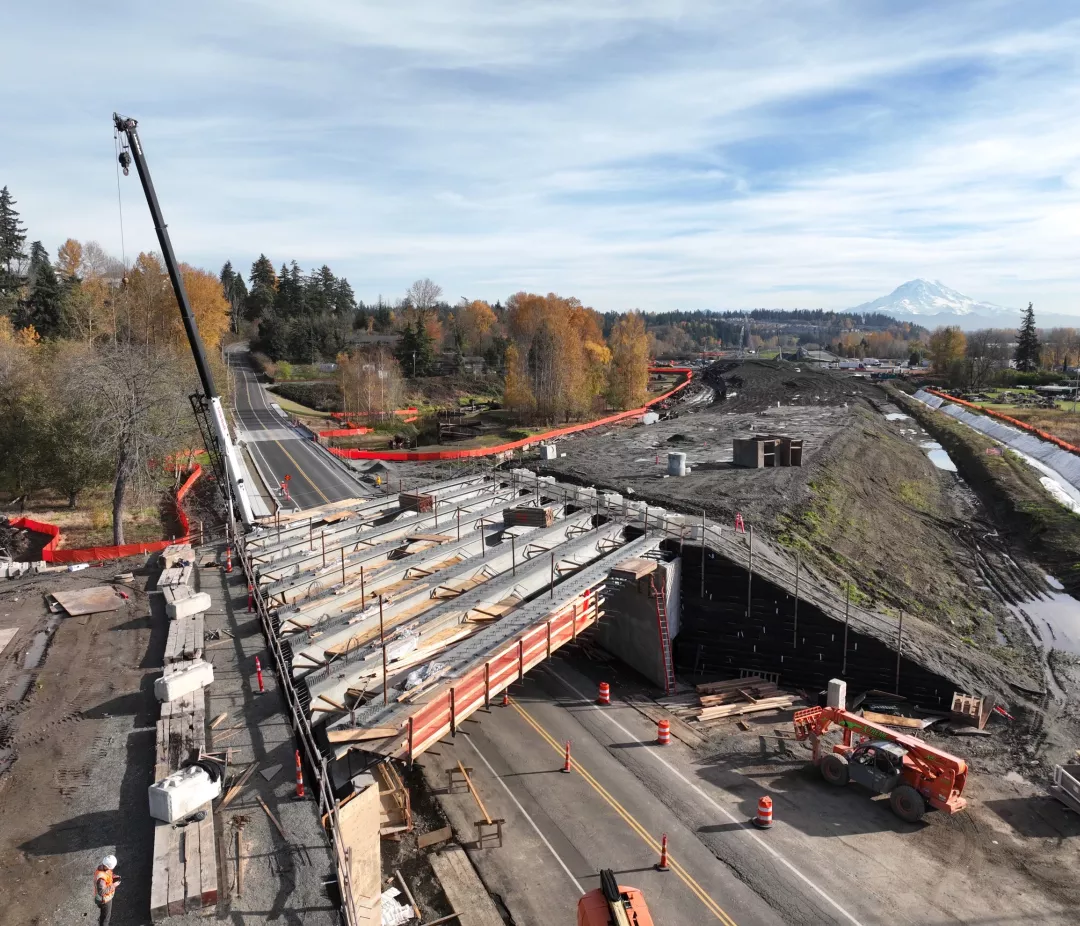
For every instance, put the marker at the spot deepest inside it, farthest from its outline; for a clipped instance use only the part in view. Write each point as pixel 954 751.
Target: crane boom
pixel 234 482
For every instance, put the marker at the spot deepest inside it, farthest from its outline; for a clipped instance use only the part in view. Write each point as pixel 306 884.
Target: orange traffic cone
pixel 299 778
pixel 605 694
pixel 506 697
pixel 663 732
pixel 566 762
pixel 228 558
pixel 763 820
pixel 662 865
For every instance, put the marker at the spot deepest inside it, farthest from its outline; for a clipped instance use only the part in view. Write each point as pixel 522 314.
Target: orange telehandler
pixel 913 773
pixel 612 904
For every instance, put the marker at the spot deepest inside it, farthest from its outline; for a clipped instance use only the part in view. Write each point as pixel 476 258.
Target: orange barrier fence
pixel 411 456
pixel 51 554
pixel 345 432
pixel 1015 422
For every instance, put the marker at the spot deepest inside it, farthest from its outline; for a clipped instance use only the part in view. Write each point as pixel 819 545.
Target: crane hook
pixel 125 161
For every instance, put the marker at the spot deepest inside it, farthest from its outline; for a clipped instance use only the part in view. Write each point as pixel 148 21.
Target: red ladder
pixel 665 636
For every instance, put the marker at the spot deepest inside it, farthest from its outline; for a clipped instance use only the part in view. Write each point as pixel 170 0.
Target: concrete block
pixel 547 451
pixel 837 694
pixel 186 607
pixel 179 682
pixel 175 553
pixel 650 418
pixel 182 793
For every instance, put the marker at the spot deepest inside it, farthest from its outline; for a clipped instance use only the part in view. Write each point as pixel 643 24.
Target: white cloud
pixel 633 154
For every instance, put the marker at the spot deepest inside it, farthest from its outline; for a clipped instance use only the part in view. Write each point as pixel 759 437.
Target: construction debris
pixel 528 516
pixel 86 600
pixel 715 702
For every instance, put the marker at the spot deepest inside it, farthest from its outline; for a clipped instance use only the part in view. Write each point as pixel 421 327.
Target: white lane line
pixel 651 751
pixel 525 814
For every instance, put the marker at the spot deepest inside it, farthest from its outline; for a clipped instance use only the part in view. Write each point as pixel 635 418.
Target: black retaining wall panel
pixel 718 638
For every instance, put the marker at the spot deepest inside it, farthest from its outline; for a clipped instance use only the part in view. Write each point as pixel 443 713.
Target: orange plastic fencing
pixel 345 432
pixel 1015 422
pixel 410 456
pixel 51 554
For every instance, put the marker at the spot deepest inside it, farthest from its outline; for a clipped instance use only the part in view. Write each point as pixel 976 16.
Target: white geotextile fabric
pixel 1061 461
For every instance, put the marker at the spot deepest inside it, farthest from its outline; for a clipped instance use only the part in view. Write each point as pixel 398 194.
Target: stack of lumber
pixel 528 516
pixel 414 501
pixel 185 876
pixel 185 641
pixel 715 702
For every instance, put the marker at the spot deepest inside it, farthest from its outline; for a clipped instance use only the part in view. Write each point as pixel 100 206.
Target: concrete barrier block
pixel 179 682
pixel 195 603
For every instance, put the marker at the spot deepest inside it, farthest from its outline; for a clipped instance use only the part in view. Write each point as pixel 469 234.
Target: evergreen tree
pixel 264 284
pixel 12 255
pixel 232 284
pixel 42 308
pixel 405 352
pixel 1027 343
pixel 289 296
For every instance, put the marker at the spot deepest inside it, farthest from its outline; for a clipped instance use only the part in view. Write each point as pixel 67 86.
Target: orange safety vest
pixel 106 875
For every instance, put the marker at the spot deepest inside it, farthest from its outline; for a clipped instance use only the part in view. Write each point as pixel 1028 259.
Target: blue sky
pixel 652 155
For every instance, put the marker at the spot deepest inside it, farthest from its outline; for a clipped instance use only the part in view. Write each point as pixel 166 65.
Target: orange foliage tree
pixel 560 358
pixel 628 375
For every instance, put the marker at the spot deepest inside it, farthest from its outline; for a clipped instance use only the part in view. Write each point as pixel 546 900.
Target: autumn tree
pixel 946 346
pixel 474 320
pixel 628 375
pixel 371 383
pixel 561 346
pixel 1027 343
pixel 23 405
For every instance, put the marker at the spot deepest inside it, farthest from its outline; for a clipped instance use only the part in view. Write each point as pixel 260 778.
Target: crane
pixel 912 772
pixel 208 404
pixel 613 904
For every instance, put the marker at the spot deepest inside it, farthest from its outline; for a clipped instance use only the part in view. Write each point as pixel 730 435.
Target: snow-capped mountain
pixel 921 300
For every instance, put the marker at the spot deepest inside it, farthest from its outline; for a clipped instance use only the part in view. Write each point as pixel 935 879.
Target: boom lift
pixel 913 773
pixel 208 404
pixel 612 904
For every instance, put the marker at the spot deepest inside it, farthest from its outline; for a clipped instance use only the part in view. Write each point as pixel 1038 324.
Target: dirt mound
pixel 753 385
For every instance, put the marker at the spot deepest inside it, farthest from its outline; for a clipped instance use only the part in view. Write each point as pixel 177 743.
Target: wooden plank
pixel 359 735
pixel 88 600
pixel 424 840
pixel 463 888
pixel 892 720
pixel 273 819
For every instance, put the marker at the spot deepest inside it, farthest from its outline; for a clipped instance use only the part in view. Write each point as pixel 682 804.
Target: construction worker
pixel 104 887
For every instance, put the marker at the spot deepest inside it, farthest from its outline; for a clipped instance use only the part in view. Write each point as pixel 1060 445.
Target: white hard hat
pixel 109 861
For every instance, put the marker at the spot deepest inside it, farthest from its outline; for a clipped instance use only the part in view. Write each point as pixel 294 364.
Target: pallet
pixel 185 640
pixel 185 874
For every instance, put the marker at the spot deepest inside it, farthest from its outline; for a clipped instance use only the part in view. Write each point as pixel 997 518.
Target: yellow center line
pixel 711 905
pixel 302 473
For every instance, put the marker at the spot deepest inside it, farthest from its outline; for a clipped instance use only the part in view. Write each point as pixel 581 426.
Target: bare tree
pixel 423 295
pixel 142 396
pixel 370 382
pixel 984 355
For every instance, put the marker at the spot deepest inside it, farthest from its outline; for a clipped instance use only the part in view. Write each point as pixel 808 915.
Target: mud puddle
pixel 938 455
pixel 1055 619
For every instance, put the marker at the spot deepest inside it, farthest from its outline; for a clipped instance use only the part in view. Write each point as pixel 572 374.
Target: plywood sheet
pixel 7 634
pixel 358 822
pixel 89 600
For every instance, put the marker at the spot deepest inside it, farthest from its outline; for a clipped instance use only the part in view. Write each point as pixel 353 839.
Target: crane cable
pixel 119 200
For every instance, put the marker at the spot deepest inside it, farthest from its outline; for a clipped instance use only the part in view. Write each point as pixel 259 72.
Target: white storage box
pixel 195 603
pixel 547 451
pixel 182 793
pixel 182 680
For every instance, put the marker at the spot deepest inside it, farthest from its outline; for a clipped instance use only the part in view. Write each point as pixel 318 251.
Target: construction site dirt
pixel 870 515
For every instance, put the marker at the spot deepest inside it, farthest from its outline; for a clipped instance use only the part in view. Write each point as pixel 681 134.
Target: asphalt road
pixel 279 451
pixel 561 829
pixel 833 858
